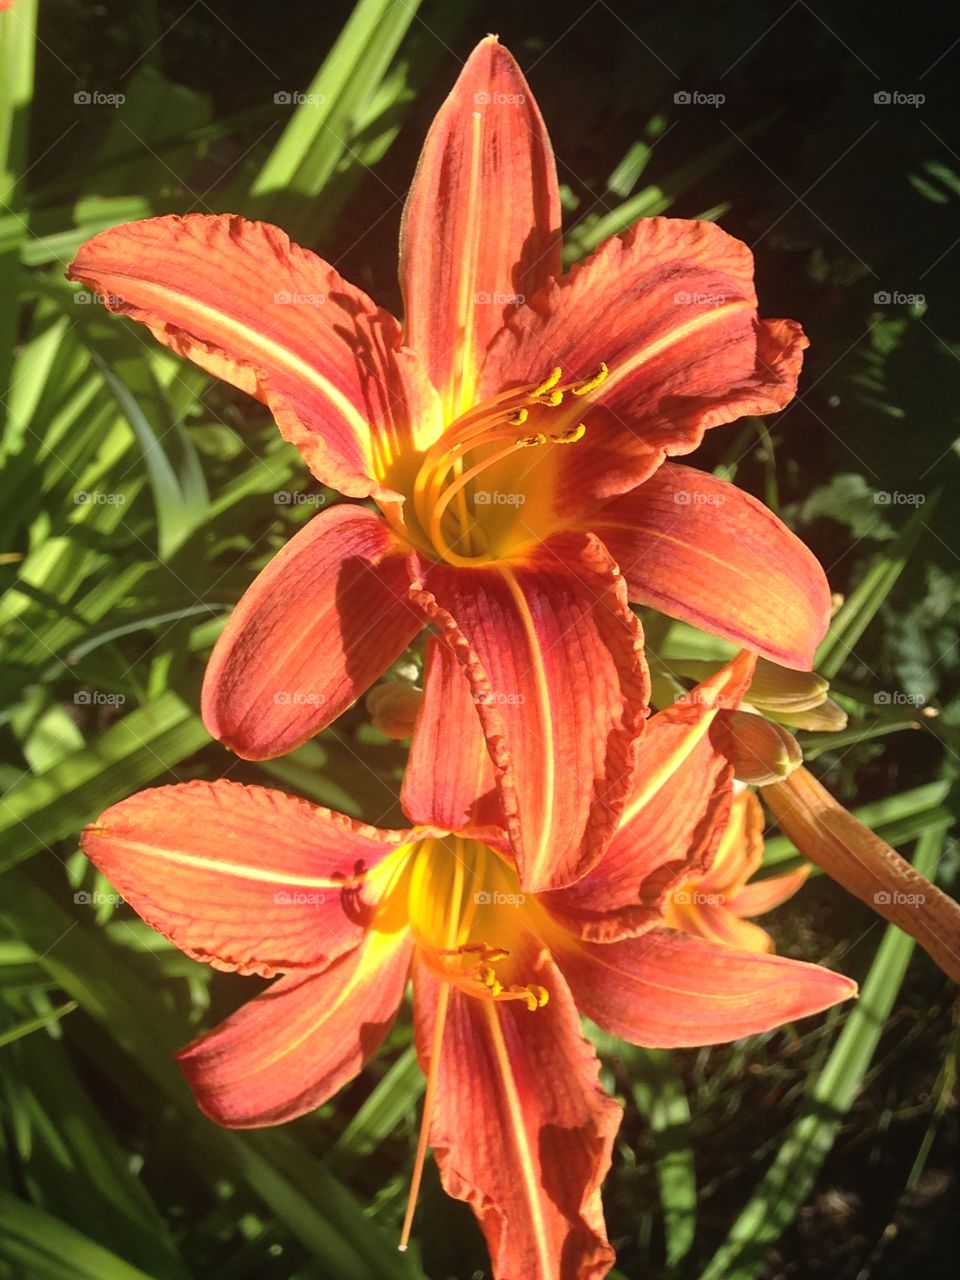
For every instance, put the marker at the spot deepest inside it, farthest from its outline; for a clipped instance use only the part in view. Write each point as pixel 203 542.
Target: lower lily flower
pixel 514 434
pixel 255 881
pixel 716 905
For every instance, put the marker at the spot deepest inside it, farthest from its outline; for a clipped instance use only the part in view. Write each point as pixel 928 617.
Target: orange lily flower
pixel 716 904
pixel 254 881
pixel 513 434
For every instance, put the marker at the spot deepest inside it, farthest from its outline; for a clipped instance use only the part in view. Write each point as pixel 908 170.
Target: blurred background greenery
pixel 138 500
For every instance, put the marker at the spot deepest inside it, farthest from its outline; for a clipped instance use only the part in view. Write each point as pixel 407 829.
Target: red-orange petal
pixel 761 896
pixel 521 1129
pixel 668 990
pixel 674 818
pixel 702 550
pixel 554 658
pixel 294 1046
pixel 244 878
pixel 323 620
pixel 245 304
pixel 481 226
pixel 450 781
pixel 670 308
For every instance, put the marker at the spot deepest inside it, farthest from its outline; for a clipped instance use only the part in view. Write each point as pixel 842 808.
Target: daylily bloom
pixel 715 904
pixel 513 435
pixel 255 881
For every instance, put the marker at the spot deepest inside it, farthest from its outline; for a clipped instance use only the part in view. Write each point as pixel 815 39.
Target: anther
pixel 591 384
pixel 571 436
pixel 548 383
pixel 520 417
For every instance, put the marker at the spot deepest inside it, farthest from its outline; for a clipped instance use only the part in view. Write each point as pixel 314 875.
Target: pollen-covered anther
pixel 548 384
pixel 590 384
pixel 520 417
pixel 571 436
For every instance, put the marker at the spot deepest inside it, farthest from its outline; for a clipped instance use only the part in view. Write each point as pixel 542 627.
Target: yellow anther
pixel 529 442
pixel 548 383
pixel 520 417
pixel 570 437
pixel 550 399
pixel 591 384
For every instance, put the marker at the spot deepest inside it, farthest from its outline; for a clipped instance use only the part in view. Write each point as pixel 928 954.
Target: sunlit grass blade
pixel 659 1093
pixel 27 1027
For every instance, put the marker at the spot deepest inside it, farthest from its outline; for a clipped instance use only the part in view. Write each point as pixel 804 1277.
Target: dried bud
pixel 393 708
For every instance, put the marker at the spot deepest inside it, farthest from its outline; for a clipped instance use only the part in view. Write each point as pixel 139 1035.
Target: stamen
pixel 520 417
pixel 548 383
pixel 591 384
pixel 570 436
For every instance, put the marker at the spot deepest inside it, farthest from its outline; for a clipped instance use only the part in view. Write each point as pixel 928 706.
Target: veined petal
pixel 481 226
pixel 866 866
pixel 670 308
pixel 521 1129
pixel 294 1046
pixel 323 620
pixel 702 550
pixel 244 878
pixel 740 851
pixel 278 322
pixel 675 815
pixel 716 923
pixel 668 990
pixel 554 658
pixel 765 895
pixel 450 781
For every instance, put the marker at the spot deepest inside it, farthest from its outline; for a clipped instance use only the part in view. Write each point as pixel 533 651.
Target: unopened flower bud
pixel 393 708
pixel 765 752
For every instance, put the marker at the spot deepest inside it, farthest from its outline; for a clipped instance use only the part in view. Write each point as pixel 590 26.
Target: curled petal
pixel 481 226
pixel 670 308
pixel 245 304
pixel 521 1129
pixel 245 878
pixel 323 620
pixel 765 895
pixel 668 990
pixel 865 865
pixel 675 815
pixel 702 550
pixel 555 664
pixel 294 1046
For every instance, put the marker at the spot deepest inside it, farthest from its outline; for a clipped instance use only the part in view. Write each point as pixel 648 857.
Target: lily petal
pixel 674 818
pixel 481 226
pixel 716 923
pixel 521 1129
pixel 554 658
pixel 292 1048
pixel 323 620
pixel 244 878
pixel 670 308
pixel 245 304
pixel 761 896
pixel 450 781
pixel 667 990
pixel 702 550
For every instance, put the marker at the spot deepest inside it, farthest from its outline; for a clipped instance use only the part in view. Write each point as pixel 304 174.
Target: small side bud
pixel 393 708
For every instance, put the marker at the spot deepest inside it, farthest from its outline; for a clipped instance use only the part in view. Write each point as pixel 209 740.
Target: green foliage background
pixel 138 500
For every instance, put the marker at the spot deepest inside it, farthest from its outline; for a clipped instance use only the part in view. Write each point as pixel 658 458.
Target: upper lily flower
pixel 512 433
pixel 258 882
